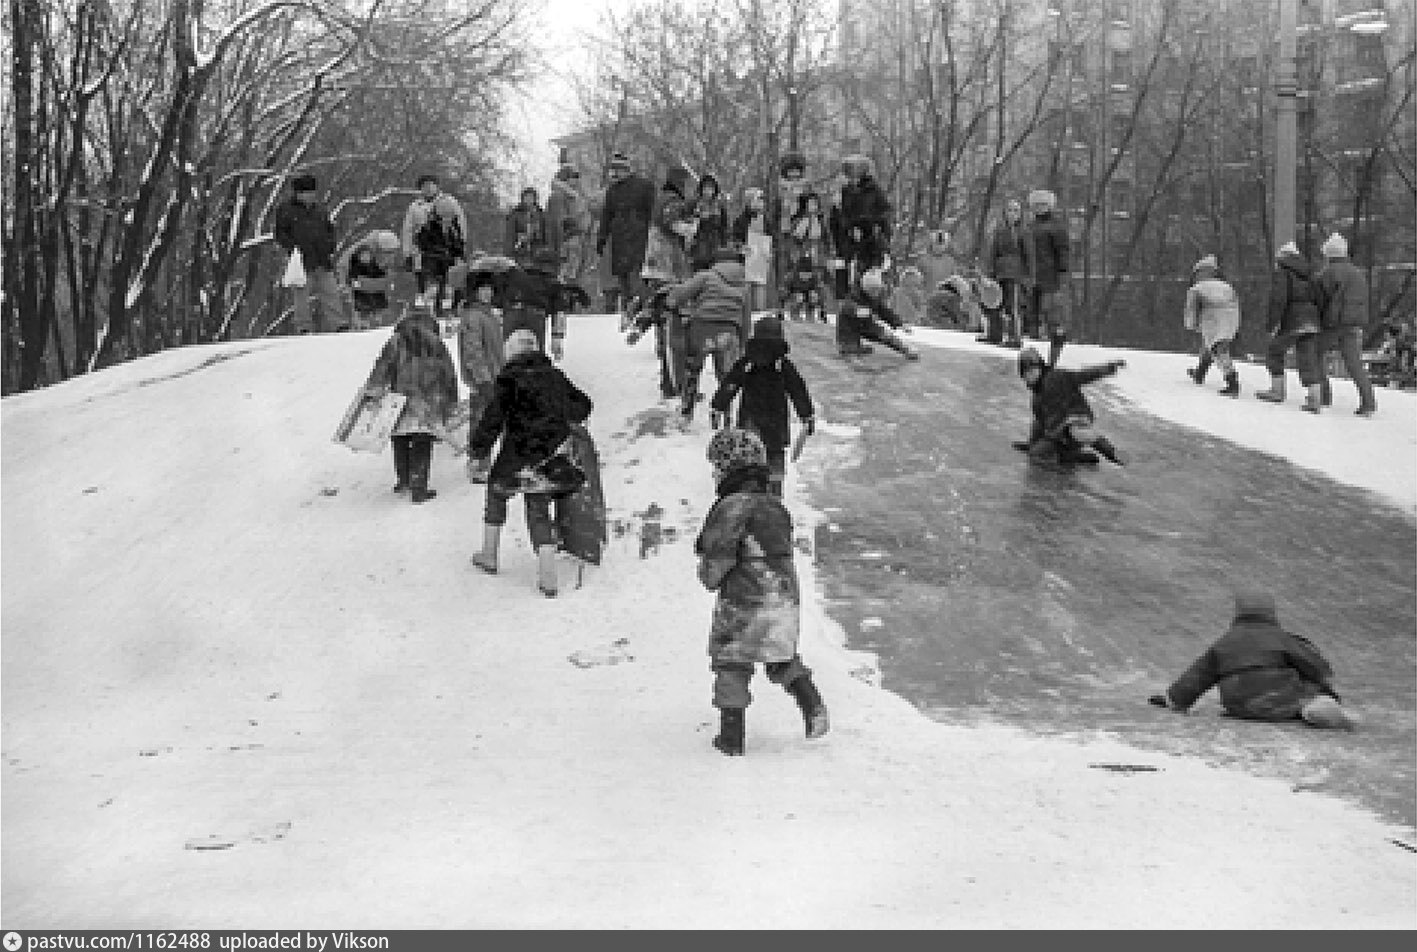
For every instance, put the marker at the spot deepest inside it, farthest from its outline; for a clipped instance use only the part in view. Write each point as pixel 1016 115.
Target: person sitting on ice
pixel 865 315
pixel 1264 672
pixel 746 556
pixel 767 380
pixel 1062 418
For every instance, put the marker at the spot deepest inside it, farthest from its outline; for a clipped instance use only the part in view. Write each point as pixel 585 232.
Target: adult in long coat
pixel 624 224
pixel 746 556
pixel 1264 672
pixel 1049 301
pixel 1212 308
pixel 1344 319
pixel 533 408
pixel 1008 259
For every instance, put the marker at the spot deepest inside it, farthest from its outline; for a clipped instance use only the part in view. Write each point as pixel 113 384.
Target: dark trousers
pixel 413 459
pixel 731 678
pixel 1306 356
pixel 1348 341
pixel 538 515
pixel 1010 327
pixel 435 272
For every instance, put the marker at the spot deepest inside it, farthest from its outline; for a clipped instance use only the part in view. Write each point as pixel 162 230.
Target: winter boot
pixel 1108 450
pixel 1314 400
pixel 546 570
pixel 420 461
pixel 487 558
pixel 730 731
pixel 1198 372
pixel 814 711
pixel 1275 393
pixel 1055 347
pixel 400 446
pixel 1232 385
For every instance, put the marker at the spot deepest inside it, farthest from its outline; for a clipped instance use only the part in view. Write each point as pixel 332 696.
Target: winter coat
pixel 749 219
pixel 1344 292
pixel 624 223
pixel 359 269
pixel 665 258
pixel 532 409
pixel 1009 256
pixel 746 556
pixel 526 233
pixel 307 227
pixel 714 295
pixel 864 205
pixel 712 234
pixel 1050 251
pixel 767 380
pixel 415 363
pixel 1213 308
pixel 1264 672
pixel 480 351
pixel 444 240
pixel 811 238
pixel 1293 297
pixel 567 215
pixel 1058 398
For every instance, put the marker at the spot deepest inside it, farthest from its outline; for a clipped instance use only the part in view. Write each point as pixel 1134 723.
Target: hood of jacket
pixel 709 177
pixel 764 351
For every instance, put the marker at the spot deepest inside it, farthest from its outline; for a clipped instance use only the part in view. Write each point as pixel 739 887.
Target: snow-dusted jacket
pixel 567 216
pixel 665 258
pixel 1050 251
pixel 1344 292
pixel 624 223
pixel 1058 398
pixel 1213 308
pixel 480 351
pixel 1263 671
pixel 1293 296
pixel 745 555
pixel 307 227
pixel 1010 253
pixel 714 295
pixel 418 241
pixel 526 233
pixel 767 380
pixel 415 363
pixel 532 409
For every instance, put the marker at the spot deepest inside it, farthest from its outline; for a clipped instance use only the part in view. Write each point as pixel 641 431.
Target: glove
pixel 1159 700
pixel 1022 446
pixel 810 425
pixel 1118 364
pixel 632 338
pixel 558 349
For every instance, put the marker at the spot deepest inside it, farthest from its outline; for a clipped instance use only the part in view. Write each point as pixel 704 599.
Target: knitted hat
pixel 1289 248
pixel 304 183
pixel 1335 247
pixel 520 341
pixel 1253 602
pixel 733 449
pixel 1207 262
pixel 768 328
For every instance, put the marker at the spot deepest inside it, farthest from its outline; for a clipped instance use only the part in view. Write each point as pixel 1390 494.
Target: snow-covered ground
pixel 244 685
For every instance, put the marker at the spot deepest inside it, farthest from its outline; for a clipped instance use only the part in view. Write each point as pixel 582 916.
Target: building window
pixel 1121 73
pixel 1121 10
pixel 1119 193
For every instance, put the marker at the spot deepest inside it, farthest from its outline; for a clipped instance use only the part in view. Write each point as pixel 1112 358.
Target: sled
pixel 459 424
pixel 580 516
pixel 369 421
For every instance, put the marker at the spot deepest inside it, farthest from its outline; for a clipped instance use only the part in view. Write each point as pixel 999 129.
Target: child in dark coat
pixel 1264 672
pixel 746 556
pixel 1062 418
pixel 864 314
pixel 767 380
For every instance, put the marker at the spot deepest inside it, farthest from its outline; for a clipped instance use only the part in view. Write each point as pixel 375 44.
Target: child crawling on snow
pixel 745 555
pixel 1062 418
pixel 768 381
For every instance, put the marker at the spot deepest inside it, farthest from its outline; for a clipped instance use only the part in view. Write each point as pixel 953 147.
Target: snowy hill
pixel 246 686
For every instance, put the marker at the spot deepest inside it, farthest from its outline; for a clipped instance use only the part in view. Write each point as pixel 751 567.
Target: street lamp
pixel 1286 124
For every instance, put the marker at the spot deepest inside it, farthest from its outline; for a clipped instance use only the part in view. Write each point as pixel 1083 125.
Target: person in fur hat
pixel 568 223
pixel 1264 672
pixel 865 216
pixel 415 363
pixel 1062 433
pixel 1344 318
pixel 532 409
pixel 765 382
pixel 1293 321
pixel 625 216
pixel 303 224
pixel 865 315
pixel 1213 308
pixel 709 212
pixel 1049 296
pixel 746 556
pixel 526 230
pixel 433 238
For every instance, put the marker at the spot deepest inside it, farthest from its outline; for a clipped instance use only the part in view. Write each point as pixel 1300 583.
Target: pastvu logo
pixel 12 941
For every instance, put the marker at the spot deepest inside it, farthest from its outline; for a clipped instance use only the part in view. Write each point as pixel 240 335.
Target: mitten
pixel 1022 446
pixel 632 338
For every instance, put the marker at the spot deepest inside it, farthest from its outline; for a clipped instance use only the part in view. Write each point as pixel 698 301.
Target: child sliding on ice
pixel 746 556
pixel 768 381
pixel 1062 419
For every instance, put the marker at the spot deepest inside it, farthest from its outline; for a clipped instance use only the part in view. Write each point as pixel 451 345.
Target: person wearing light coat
pixel 1213 308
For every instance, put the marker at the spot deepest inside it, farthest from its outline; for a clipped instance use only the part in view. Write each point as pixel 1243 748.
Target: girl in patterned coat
pixel 746 556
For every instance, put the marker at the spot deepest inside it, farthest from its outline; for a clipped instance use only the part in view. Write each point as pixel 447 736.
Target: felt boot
pixel 487 558
pixel 730 731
